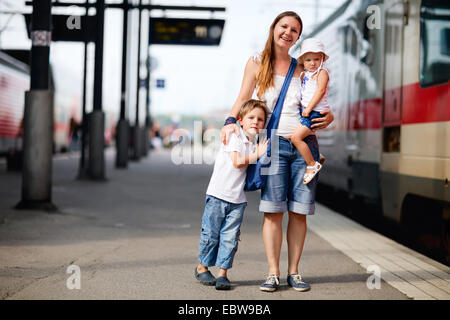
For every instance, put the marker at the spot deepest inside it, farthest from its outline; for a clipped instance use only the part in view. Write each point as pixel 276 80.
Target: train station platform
pixel 135 236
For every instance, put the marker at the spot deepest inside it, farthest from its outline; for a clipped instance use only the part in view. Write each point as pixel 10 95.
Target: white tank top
pixel 290 112
pixel 309 87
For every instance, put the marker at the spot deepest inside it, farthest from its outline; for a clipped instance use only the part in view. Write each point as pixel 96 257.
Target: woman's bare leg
pixel 296 234
pixel 272 231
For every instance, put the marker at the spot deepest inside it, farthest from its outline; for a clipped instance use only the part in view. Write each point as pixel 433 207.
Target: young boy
pixel 225 197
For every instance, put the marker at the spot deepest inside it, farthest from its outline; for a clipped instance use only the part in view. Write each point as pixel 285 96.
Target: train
pixel 389 92
pixel 14 81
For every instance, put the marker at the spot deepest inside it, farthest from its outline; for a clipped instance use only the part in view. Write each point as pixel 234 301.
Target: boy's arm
pixel 322 82
pixel 243 161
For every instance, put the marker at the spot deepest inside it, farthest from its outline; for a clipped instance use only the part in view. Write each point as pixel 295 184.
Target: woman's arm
pixel 323 122
pixel 247 87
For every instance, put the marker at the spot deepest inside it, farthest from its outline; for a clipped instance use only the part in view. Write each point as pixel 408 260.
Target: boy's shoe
pixel 310 175
pixel 271 284
pixel 205 278
pixel 222 283
pixel 295 281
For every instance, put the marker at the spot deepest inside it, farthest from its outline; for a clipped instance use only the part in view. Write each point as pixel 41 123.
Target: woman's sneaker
pixel 295 281
pixel 271 284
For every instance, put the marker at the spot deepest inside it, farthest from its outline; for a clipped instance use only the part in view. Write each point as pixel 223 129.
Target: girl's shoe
pixel 310 175
pixel 322 159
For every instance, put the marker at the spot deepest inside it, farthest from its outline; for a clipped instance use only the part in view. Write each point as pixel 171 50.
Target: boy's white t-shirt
pixel 227 182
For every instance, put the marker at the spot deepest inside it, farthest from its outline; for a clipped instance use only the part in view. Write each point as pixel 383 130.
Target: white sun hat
pixel 312 45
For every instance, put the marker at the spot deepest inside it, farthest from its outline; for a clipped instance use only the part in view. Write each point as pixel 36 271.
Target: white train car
pixel 389 91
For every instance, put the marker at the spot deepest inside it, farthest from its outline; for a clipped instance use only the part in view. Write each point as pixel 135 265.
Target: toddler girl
pixel 314 99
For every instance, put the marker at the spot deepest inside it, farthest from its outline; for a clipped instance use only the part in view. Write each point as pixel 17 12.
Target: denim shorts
pixel 221 224
pixel 284 189
pixel 306 121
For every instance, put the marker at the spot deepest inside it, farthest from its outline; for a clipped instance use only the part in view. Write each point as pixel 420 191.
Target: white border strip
pixel 409 273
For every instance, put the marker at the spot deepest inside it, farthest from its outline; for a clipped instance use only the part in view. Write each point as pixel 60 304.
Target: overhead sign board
pixel 204 32
pixel 69 28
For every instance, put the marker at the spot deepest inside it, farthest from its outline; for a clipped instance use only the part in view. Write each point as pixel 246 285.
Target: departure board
pixel 206 32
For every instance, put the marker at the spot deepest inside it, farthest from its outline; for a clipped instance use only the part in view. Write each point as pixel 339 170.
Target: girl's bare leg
pixel 300 133
pixel 273 237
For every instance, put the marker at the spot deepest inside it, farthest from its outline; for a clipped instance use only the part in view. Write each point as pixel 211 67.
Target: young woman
pixel 284 191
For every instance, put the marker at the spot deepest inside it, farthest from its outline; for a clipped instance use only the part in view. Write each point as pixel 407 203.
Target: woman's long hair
pixel 264 78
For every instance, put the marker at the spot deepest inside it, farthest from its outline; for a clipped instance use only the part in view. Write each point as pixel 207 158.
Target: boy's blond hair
pixel 251 104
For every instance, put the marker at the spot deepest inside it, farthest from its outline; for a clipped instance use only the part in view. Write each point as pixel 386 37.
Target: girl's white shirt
pixel 290 112
pixel 309 87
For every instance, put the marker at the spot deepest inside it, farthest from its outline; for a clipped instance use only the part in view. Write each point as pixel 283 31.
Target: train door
pixel 352 51
pixel 352 145
pixel 392 106
pixel 393 71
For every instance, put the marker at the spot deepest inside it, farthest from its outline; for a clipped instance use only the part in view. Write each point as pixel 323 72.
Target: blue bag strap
pixel 275 118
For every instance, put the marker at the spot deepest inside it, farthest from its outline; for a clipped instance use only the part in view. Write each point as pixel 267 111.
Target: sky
pixel 199 79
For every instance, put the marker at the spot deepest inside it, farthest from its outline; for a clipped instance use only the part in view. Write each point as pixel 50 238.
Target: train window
pixel 391 139
pixel 343 32
pixel 351 41
pixel 354 43
pixel 367 45
pixel 434 43
pixel 445 44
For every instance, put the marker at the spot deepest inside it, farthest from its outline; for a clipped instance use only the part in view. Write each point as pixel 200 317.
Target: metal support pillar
pixel 97 117
pixel 83 169
pixel 144 140
pixel 122 133
pixel 38 117
pixel 147 125
pixel 137 135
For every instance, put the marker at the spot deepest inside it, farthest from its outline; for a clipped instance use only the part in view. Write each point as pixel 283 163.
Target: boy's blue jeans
pixel 221 225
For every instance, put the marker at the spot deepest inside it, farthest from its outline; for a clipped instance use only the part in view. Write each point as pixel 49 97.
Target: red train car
pixel 14 81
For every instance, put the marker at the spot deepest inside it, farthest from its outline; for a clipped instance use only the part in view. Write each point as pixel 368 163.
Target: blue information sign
pixel 160 83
